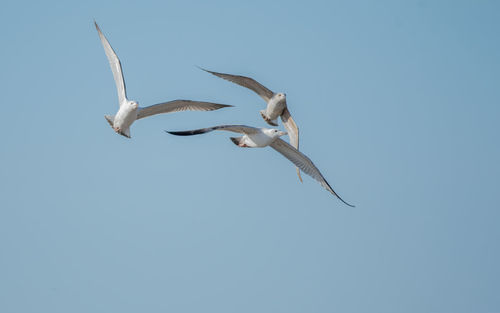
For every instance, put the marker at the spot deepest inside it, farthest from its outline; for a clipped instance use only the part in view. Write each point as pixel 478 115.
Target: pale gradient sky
pixel 398 103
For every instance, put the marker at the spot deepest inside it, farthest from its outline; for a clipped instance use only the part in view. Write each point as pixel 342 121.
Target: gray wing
pixel 242 129
pixel 179 105
pixel 116 66
pixel 247 82
pixel 293 132
pixel 304 163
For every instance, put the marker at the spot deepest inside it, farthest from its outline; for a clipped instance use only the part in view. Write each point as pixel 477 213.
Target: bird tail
pixel 126 132
pixel 236 140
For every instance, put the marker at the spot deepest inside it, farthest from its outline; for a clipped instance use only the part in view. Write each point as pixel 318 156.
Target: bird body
pixel 126 115
pixel 274 109
pixel 130 111
pixel 262 137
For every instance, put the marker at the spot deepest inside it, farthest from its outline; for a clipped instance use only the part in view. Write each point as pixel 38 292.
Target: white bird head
pixel 133 104
pixel 274 132
pixel 281 96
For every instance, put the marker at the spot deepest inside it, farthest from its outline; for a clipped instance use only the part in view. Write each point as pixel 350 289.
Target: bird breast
pixel 275 108
pixel 125 117
pixel 259 139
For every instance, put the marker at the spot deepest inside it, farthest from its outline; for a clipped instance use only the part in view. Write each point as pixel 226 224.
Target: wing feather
pixel 247 82
pixel 293 132
pixel 115 65
pixel 179 105
pixel 242 129
pixel 304 163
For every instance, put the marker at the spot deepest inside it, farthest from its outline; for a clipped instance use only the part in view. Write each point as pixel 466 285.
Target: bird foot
pixel 267 119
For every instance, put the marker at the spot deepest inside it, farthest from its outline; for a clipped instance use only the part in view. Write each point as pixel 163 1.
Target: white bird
pixel 262 137
pixel 129 110
pixel 276 105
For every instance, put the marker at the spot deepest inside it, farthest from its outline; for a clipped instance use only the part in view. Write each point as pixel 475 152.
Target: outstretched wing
pixel 179 105
pixel 304 163
pixel 247 82
pixel 242 129
pixel 293 132
pixel 116 67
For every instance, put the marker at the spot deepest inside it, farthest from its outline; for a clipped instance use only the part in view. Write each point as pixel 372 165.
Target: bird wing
pixel 116 66
pixel 179 105
pixel 293 132
pixel 247 82
pixel 304 163
pixel 242 129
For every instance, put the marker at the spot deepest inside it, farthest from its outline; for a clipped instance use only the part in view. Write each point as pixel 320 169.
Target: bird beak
pixel 282 133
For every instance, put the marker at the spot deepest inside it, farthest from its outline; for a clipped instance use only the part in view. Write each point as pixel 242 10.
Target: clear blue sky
pixel 398 103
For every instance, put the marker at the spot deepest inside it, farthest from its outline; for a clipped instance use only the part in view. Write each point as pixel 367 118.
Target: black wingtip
pixel 348 204
pixel 188 132
pixel 174 133
pixel 171 132
pixel 336 195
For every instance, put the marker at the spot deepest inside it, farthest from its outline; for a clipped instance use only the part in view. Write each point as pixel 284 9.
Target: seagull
pixel 276 105
pixel 129 110
pixel 262 137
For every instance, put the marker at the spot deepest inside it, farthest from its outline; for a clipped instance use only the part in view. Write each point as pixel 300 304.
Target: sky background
pixel 398 104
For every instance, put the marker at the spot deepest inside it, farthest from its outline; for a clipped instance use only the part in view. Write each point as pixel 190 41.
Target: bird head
pixel 275 133
pixel 281 96
pixel 133 104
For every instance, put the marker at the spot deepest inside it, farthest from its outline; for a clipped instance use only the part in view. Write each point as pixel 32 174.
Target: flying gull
pixel 129 110
pixel 276 105
pixel 263 137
